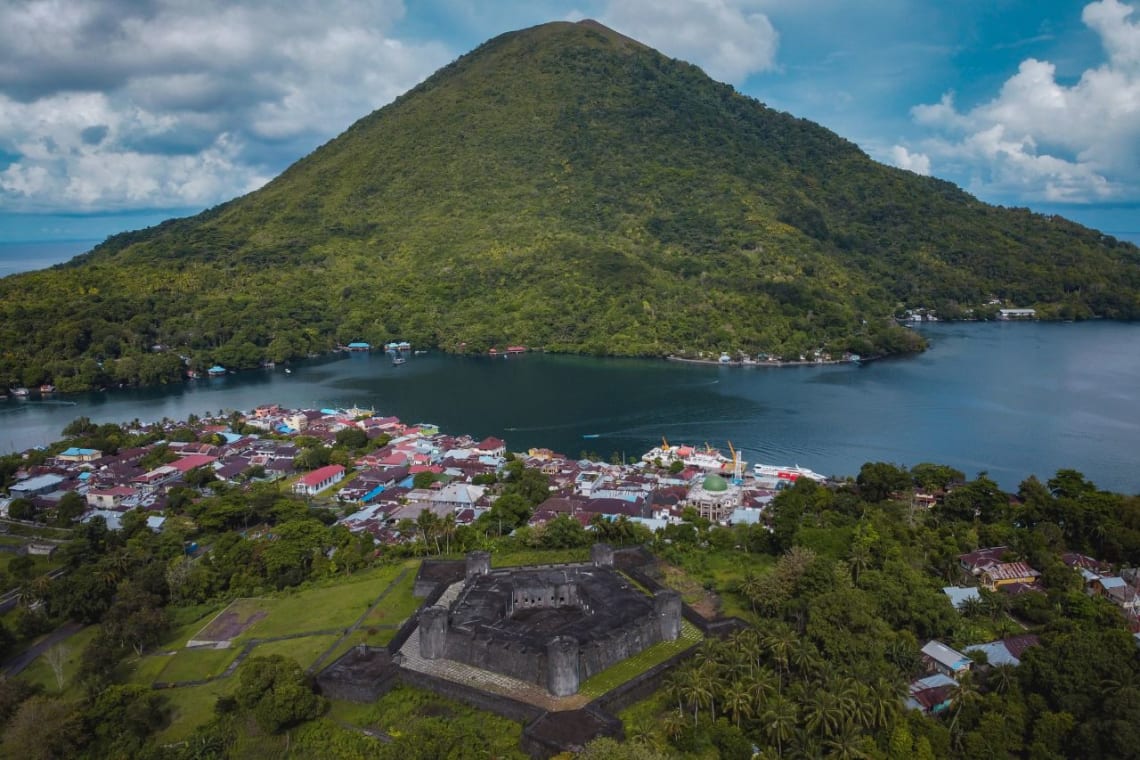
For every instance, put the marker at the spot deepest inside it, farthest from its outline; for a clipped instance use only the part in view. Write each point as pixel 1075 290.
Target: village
pixel 400 472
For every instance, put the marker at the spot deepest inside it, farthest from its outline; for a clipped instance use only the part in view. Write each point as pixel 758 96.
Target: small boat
pixel 398 360
pixel 288 371
pixel 19 391
pixel 47 388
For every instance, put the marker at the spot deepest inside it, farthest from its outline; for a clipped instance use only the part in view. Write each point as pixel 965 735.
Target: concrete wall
pixel 562 666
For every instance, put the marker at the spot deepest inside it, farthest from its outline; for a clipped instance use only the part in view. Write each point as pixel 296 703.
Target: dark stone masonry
pixel 554 626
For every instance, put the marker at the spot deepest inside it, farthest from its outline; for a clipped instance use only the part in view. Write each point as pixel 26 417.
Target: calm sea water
pixel 1010 399
pixel 24 257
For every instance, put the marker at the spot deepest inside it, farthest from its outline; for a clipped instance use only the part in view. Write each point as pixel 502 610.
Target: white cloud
pixel 919 163
pixel 1039 139
pixel 728 39
pixel 110 104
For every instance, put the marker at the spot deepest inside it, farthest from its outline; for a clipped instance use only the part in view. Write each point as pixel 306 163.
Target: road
pixel 17 664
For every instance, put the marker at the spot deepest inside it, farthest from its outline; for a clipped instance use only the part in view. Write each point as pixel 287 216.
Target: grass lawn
pixel 718 572
pixel 143 670
pixel 304 650
pixel 397 606
pixel 191 707
pixel 332 605
pixel 196 664
pixel 40 672
pixel 513 558
pixel 599 684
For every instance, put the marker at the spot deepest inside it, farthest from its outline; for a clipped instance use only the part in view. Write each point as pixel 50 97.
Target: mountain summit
pixel 565 187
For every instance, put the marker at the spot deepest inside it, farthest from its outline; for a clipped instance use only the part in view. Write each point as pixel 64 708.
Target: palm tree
pixel 738 701
pixel 806 658
pixel 823 714
pixel 779 720
pixel 763 684
pixel 858 560
pixel 1001 678
pixel 887 696
pixel 965 692
pixel 780 643
pixel 847 744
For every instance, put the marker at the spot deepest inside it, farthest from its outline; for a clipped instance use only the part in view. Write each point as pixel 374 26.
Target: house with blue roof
pixel 76 454
pixel 945 660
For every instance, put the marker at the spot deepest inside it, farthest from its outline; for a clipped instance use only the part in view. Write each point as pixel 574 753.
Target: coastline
pixel 776 363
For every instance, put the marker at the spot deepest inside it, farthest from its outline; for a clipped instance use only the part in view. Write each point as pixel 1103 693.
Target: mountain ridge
pixel 565 187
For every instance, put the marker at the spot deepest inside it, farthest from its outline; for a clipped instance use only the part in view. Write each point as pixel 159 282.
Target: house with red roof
pixel 492 446
pixel 318 480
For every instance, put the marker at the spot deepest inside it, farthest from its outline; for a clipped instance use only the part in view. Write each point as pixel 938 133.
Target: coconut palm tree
pixel 779 720
pixel 738 701
pixel 847 744
pixel 823 714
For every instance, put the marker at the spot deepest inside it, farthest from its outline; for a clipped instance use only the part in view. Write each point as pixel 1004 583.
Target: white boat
pixel 786 472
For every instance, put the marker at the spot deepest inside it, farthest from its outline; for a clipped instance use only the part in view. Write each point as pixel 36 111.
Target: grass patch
pixel 323 607
pixel 142 670
pixel 708 580
pixel 191 706
pixel 412 715
pixel 599 684
pixel 304 650
pixel 40 672
pixel 397 606
pixel 196 664
pixel 515 557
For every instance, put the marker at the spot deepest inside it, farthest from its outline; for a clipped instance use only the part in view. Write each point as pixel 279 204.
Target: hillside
pixel 563 187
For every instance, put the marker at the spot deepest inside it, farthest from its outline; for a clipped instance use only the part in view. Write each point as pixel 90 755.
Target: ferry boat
pixel 786 472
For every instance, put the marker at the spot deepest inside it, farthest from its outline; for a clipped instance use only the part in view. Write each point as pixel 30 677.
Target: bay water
pixel 1011 399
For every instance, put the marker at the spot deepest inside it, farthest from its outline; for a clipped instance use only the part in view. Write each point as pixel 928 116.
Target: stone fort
pixel 552 626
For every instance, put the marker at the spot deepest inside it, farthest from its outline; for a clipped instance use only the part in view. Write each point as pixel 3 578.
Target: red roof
pixel 316 477
pixel 490 444
pixel 186 464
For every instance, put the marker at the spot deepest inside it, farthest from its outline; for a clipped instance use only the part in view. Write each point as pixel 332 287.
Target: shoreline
pixel 775 364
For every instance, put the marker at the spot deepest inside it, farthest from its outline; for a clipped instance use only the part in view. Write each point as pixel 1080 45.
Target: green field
pixel 40 672
pixel 191 706
pixel 599 684
pixel 196 664
pixel 304 650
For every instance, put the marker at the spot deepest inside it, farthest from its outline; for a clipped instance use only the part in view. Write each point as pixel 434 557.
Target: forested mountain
pixel 563 187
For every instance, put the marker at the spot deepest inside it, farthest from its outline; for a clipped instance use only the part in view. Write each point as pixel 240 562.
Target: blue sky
pixel 116 114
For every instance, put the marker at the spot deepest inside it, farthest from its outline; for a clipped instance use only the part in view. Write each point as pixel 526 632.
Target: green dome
pixel 715 483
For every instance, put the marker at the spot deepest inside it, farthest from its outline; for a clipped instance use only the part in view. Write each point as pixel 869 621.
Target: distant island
pixel 566 188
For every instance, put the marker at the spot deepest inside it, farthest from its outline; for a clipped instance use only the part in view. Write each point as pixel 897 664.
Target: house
pixel 109 498
pixel 975 561
pixel 942 659
pixel 1005 651
pixel 37 486
pixel 318 480
pixel 491 446
pixel 1001 574
pixel 959 595
pixel 1017 313
pixel 931 695
pixel 78 455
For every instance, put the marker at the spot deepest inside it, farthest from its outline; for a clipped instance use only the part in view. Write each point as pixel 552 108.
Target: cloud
pixel 729 40
pixel 919 163
pixel 1040 139
pixel 112 104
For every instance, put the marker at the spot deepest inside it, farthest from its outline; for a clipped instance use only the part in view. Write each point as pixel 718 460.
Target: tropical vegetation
pixel 566 188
